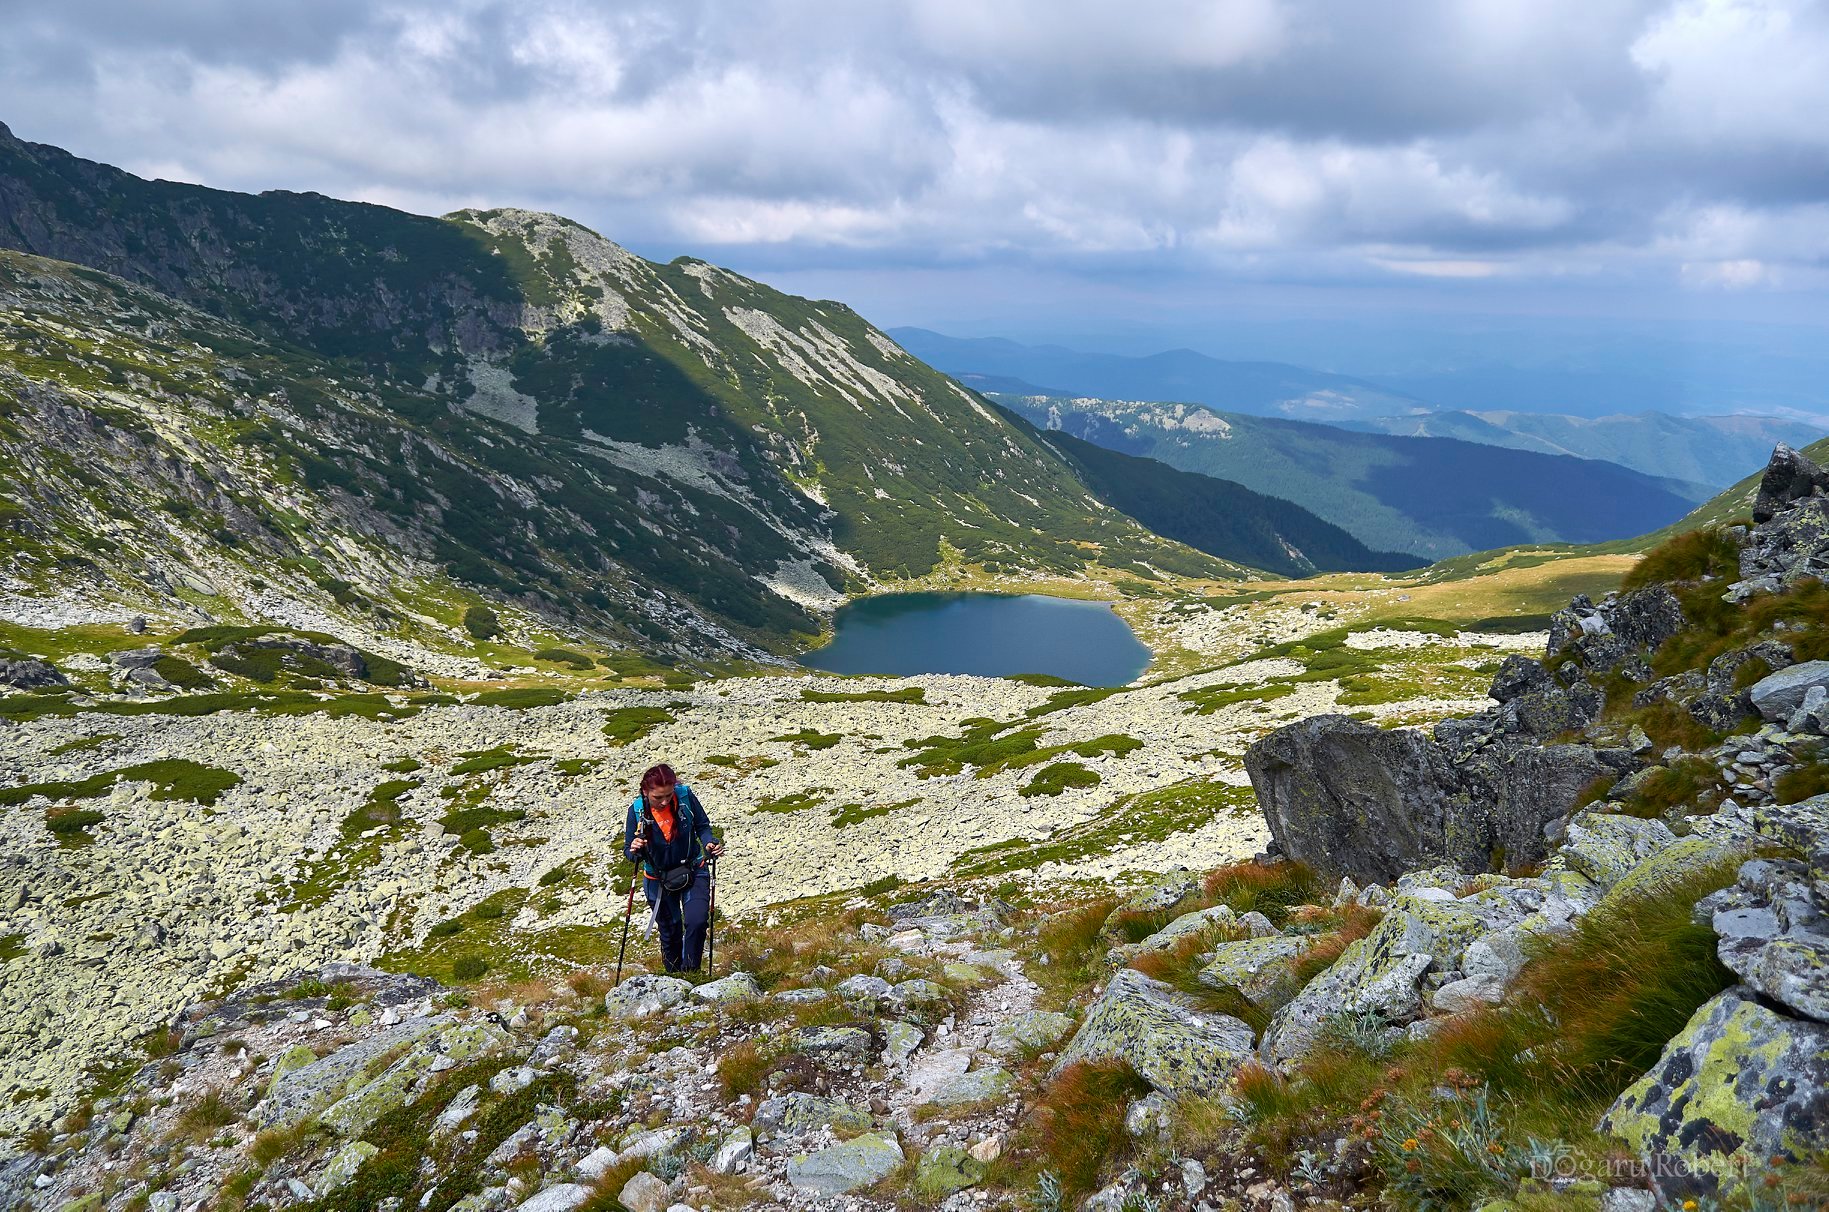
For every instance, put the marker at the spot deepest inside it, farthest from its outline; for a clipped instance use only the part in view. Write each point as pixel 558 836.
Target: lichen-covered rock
pixel 1739 1079
pixel 1774 934
pixel 974 1086
pixel 919 992
pixel 399 1083
pixel 737 987
pixel 1034 1029
pixel 644 1193
pixel 1259 968
pixel 845 1167
pixel 836 1043
pixel 342 1166
pixel 1665 868
pixel 1352 799
pixel 27 673
pixel 1381 973
pixel 644 995
pixel 945 1169
pixel 1789 477
pixel 1173 1045
pixel 797 1114
pixel 734 1151
pixel 900 1039
pixel 1182 927
pixel 1604 847
pixel 306 1090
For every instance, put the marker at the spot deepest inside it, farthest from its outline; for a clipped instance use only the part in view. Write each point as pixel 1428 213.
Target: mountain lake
pixel 990 634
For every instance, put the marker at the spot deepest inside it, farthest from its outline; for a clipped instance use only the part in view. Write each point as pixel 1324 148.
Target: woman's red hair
pixel 656 777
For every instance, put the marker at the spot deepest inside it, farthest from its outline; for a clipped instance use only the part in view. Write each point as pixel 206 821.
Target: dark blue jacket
pixel 688 845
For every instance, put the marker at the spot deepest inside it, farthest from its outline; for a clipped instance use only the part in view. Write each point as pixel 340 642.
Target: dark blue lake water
pixel 990 634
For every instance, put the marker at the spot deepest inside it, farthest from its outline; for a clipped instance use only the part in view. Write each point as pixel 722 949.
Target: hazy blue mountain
pixel 1262 388
pixel 1220 517
pixel 1706 450
pixel 1435 496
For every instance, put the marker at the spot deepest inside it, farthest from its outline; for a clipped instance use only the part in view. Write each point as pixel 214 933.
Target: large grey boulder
pixel 1777 696
pixel 1259 968
pixel 645 995
pixel 737 987
pixel 1351 799
pixel 846 1167
pixel 1031 1029
pixel 562 1198
pixel 1739 1079
pixel 1171 1043
pixel 1789 477
pixel 402 1081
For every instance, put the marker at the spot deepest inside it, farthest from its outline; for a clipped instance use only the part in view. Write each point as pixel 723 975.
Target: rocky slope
pixel 1541 992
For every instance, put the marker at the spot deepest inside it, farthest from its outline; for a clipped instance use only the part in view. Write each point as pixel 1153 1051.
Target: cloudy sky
pixel 1145 168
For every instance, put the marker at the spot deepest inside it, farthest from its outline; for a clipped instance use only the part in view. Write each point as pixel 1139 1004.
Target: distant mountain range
pixel 1711 450
pixel 1269 389
pixel 1706 450
pixel 1438 497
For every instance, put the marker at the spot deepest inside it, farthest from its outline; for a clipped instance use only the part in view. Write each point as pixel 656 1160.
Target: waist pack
pixel 676 879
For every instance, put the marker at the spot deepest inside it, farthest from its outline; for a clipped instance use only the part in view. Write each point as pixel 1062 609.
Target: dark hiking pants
pixel 681 918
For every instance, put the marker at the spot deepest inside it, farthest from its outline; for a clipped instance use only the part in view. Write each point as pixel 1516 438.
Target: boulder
pixel 645 995
pixel 842 1044
pixel 900 1039
pixel 737 987
pixel 644 1193
pixel 1777 696
pixel 943 1170
pixel 1789 477
pixel 1355 800
pixel 1259 968
pixel 1175 1046
pixel 797 1114
pixel 846 1167
pixel 562 1198
pixel 1186 925
pixel 1665 868
pixel 974 1086
pixel 1617 635
pixel 1030 1029
pixel 1603 847
pixel 1739 1079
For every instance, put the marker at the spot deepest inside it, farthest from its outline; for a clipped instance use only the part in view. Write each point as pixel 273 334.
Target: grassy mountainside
pixel 1433 496
pixel 511 403
pixel 1222 517
pixel 1704 450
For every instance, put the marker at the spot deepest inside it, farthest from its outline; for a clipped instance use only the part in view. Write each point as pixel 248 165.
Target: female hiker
pixel 669 834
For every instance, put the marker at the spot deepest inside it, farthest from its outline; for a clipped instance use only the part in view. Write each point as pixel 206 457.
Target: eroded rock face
pixel 1173 1046
pixel 29 674
pixel 1740 1079
pixel 1354 800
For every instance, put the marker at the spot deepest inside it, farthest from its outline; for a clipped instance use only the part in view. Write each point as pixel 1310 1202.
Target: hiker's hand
pixel 714 849
pixel 637 844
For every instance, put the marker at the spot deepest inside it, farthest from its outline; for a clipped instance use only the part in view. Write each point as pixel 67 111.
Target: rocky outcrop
pixel 1789 477
pixel 28 673
pixel 1354 800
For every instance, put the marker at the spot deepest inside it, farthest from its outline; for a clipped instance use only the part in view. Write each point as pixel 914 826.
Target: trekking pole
pixel 627 911
pixel 711 923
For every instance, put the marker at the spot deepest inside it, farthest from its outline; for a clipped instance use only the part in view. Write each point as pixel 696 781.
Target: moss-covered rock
pixel 398 1084
pixel 1606 847
pixel 1175 1046
pixel 1740 1079
pixel 309 1088
pixel 1030 1029
pixel 342 1166
pixel 798 1114
pixel 644 995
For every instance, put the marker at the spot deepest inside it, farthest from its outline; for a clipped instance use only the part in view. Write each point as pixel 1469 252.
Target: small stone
pixel 989 1149
pixel 734 1153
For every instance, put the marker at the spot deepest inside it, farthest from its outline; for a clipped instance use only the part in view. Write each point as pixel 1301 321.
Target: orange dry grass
pixel 1077 1124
